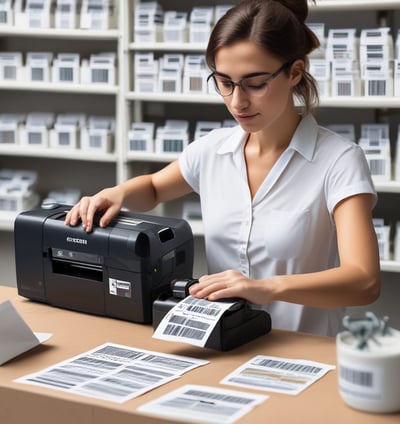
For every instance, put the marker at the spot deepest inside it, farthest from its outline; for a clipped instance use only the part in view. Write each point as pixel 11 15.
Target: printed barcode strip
pixel 95 141
pixel 201 307
pixel 66 74
pixel 37 74
pixel 377 88
pixel 119 352
pixel 188 322
pixel 288 366
pixel 138 145
pixel 359 378
pixel 10 72
pixel 180 402
pixel 179 331
pixel 3 16
pixel 34 138
pixel 63 139
pixel 344 88
pixel 177 364
pixel 218 396
pixel 377 166
pixel 100 75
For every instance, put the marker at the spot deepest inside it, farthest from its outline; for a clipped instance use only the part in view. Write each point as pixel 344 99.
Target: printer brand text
pixel 76 240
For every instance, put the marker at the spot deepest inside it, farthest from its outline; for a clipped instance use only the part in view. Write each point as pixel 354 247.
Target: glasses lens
pixel 255 86
pixel 223 85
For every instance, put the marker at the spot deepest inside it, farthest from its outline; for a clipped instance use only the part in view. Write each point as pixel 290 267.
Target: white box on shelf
pixel 200 24
pixel 16 190
pixel 320 69
pixel 342 44
pixel 375 143
pixel 397 78
pixel 204 127
pixel 383 236
pixel 347 131
pixel 11 66
pixel 100 69
pixel 397 242
pixel 175 28
pixel 66 131
pixel 66 196
pixel 376 45
pixel 148 20
pixel 98 14
pixel 318 29
pixel 145 73
pixel 38 66
pixel 10 126
pixel 377 79
pixel 37 14
pixel 6 13
pixel 397 157
pixel 36 130
pixel 173 137
pixel 98 134
pixel 66 14
pixel 141 137
pixel 345 78
pixel 66 68
pixel 170 73
pixel 195 72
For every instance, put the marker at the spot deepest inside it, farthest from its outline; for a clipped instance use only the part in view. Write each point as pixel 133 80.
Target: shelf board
pixel 390 266
pixel 60 153
pixel 387 187
pixel 370 102
pixel 161 46
pixel 68 34
pixel 151 157
pixel 7 220
pixel 59 88
pixel 346 5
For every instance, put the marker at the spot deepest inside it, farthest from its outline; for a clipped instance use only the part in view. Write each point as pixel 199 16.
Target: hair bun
pixel 298 7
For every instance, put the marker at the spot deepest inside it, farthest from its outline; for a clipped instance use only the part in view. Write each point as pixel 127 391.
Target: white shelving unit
pixel 129 105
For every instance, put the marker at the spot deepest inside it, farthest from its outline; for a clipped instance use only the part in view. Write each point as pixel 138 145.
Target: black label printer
pixel 117 271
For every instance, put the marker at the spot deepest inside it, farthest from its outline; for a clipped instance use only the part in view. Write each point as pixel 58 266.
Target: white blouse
pixel 288 227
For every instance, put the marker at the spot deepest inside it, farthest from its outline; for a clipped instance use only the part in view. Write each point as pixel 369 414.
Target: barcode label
pixel 10 72
pixel 95 141
pixel 217 396
pixel 172 146
pixel 377 166
pixel 137 145
pixel 34 138
pixel 359 378
pixel 186 332
pixel 288 366
pixel 64 139
pixel 3 17
pixel 344 88
pixel 376 88
pixel 37 74
pixel 66 74
pixel 100 75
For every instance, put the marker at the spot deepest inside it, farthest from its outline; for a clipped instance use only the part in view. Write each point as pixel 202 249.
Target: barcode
pixel 10 72
pixel 95 141
pixel 100 75
pixel 66 74
pixel 3 16
pixel 177 364
pixel 377 166
pixel 195 84
pixel 34 138
pixel 179 331
pixel 172 145
pixel 63 139
pixel 288 366
pixel 37 74
pixel 200 306
pixel 119 352
pixel 169 86
pixel 8 204
pixel 138 145
pixel 344 88
pixel 360 378
pixel 7 137
pixel 217 396
pixel 377 88
pixel 181 402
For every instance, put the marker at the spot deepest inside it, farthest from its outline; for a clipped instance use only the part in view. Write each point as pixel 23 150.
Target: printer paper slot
pixel 78 269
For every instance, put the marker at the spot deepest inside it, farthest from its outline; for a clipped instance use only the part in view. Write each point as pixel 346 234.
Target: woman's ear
pixel 297 71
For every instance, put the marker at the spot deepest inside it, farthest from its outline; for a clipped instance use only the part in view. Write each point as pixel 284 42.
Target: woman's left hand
pixel 228 284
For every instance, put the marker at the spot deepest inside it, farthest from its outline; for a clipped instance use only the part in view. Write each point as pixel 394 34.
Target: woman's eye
pixel 256 86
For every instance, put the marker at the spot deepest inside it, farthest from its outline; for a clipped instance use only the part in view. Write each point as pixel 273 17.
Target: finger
pixel 72 217
pixel 109 214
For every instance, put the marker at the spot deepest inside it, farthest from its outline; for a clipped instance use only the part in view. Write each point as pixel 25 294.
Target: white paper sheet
pixel 15 335
pixel 203 404
pixel 191 321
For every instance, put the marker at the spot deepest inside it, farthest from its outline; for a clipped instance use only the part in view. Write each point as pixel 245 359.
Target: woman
pixel 286 204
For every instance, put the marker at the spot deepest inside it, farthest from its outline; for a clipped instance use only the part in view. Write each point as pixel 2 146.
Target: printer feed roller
pixel 117 271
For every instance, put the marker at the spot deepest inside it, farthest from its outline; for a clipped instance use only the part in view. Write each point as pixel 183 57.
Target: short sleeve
pixel 189 163
pixel 349 175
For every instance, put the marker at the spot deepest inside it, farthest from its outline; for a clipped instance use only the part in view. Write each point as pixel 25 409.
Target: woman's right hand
pixel 108 202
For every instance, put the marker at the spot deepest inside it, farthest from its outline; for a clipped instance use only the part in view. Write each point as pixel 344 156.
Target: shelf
pixel 161 46
pixel 387 187
pixel 369 102
pixel 151 157
pixel 67 34
pixel 60 153
pixel 59 88
pixel 347 5
pixel 7 220
pixel 390 266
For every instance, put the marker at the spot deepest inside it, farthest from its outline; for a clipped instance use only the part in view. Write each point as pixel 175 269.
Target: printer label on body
pixel 120 288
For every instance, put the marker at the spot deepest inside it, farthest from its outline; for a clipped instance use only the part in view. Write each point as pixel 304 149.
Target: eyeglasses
pixel 254 85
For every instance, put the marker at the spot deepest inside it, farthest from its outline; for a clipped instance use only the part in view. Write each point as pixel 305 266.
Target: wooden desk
pixel 75 333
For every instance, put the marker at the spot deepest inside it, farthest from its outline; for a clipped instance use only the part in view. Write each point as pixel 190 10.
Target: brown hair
pixel 279 27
